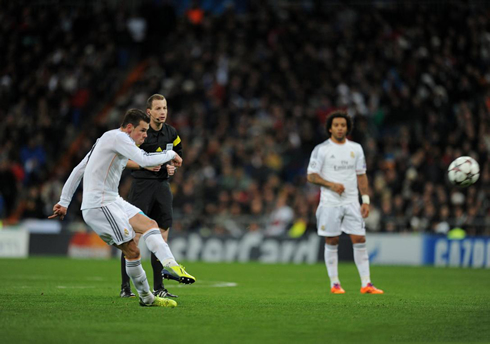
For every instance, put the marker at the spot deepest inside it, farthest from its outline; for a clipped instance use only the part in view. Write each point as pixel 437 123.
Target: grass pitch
pixel 60 300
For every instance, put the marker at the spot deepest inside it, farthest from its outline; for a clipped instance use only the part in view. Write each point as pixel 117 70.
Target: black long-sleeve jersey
pixel 159 141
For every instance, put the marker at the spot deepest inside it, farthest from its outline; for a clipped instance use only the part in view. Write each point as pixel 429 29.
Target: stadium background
pixel 249 85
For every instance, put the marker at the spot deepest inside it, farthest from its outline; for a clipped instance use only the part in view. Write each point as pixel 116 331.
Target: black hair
pixel 338 114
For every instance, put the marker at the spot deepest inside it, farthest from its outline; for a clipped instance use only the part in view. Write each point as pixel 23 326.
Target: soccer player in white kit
pixel 338 166
pixel 111 217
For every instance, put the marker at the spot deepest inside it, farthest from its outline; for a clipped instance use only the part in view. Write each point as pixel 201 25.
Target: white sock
pixel 156 244
pixel 362 262
pixel 332 262
pixel 138 276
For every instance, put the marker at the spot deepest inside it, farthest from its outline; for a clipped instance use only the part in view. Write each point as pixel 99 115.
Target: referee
pixel 150 189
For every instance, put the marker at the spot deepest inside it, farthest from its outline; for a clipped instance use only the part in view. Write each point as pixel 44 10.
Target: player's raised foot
pixel 126 291
pixel 371 289
pixel 159 302
pixel 163 292
pixel 337 289
pixel 178 273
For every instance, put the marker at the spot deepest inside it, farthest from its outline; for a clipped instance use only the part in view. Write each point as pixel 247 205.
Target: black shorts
pixel 154 198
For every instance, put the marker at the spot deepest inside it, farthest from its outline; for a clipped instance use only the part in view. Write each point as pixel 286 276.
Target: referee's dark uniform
pixel 150 191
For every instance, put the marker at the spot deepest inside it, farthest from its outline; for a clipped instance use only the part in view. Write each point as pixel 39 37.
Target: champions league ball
pixel 464 171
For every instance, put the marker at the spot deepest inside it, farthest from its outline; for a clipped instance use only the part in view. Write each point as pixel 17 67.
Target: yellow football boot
pixel 160 302
pixel 178 273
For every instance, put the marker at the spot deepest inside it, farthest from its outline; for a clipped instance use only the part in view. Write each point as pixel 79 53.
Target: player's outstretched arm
pixel 71 184
pixel 315 178
pixel 126 147
pixel 134 166
pixel 69 188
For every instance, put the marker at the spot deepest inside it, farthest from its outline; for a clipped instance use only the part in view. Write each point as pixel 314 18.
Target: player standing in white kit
pixel 338 166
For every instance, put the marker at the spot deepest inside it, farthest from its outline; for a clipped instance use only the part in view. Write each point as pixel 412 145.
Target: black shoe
pixel 162 292
pixel 126 291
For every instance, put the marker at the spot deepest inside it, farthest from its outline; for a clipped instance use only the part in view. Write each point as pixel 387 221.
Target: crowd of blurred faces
pixel 249 95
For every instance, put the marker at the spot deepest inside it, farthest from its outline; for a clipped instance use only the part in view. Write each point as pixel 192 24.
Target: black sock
pixel 157 272
pixel 124 275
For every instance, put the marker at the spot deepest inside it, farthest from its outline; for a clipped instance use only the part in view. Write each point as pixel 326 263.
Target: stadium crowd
pixel 58 66
pixel 249 95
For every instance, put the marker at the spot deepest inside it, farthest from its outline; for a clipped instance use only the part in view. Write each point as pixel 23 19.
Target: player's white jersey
pixel 102 167
pixel 338 163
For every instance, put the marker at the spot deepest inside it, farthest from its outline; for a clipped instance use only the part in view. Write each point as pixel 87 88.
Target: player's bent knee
pixel 142 223
pixel 133 254
pixel 332 240
pixel 358 239
pixel 132 251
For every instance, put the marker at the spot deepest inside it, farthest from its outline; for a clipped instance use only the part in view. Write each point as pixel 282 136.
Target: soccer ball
pixel 464 171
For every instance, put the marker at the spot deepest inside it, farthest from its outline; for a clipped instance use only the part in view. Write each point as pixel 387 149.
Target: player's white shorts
pixel 332 221
pixel 111 222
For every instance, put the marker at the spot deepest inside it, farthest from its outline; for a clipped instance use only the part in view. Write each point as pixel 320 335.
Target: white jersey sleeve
pixel 73 181
pixel 316 161
pixel 125 146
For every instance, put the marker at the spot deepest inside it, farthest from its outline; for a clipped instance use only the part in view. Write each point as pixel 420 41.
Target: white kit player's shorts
pixel 332 221
pixel 111 222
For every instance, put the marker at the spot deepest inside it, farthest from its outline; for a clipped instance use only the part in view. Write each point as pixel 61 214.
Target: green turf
pixel 55 300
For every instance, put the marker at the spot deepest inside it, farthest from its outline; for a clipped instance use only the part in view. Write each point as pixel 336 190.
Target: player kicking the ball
pixel 112 218
pixel 338 166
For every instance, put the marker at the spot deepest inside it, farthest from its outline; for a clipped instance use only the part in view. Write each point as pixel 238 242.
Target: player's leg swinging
pixel 158 286
pixel 155 243
pixel 112 225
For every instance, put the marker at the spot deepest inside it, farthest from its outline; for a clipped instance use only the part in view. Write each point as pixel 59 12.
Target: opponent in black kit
pixel 150 189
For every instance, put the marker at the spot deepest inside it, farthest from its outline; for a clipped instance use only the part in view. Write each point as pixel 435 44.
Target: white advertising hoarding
pixel 395 249
pixel 14 243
